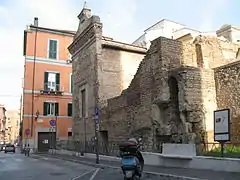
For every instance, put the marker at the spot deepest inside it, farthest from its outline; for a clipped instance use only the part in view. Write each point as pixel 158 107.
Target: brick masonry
pixel 171 97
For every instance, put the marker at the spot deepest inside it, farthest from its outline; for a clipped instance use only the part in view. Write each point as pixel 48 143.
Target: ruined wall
pixel 214 51
pixel 227 89
pixel 164 101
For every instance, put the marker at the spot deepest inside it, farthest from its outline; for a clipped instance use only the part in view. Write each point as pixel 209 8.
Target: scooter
pixel 26 151
pixel 131 166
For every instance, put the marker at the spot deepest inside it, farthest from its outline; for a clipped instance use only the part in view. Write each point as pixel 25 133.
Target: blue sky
pixel 124 20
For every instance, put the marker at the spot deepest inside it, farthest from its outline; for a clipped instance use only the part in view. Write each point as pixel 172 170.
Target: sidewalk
pixel 193 173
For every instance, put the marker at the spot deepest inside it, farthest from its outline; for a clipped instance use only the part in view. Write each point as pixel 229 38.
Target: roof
pixel 226 27
pixel 162 21
pixel 122 46
pixel 67 32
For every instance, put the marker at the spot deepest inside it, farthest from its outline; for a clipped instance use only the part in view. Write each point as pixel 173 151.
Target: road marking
pixel 94 174
pixel 18 160
pixel 83 174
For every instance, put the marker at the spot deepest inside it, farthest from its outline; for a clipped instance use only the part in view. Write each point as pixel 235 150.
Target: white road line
pixel 94 174
pixel 83 174
pixel 18 160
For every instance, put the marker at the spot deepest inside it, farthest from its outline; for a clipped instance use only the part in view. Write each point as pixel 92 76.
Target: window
pixel 51 81
pixel 70 109
pixel 52 49
pixel 50 109
pixel 83 98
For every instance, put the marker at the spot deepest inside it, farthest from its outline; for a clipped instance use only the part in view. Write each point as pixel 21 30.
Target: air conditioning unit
pixel 69 61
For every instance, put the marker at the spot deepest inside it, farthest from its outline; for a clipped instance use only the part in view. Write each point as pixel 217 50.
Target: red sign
pixel 27 131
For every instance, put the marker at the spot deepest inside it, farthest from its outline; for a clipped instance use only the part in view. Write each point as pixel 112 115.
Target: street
pixel 18 167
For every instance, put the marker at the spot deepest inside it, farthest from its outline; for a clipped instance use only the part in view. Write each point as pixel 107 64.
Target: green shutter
pixel 45 80
pixel 56 109
pixel 57 81
pixel 69 109
pixel 45 108
pixel 53 49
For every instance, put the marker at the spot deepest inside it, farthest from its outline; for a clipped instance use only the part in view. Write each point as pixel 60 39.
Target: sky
pixel 124 20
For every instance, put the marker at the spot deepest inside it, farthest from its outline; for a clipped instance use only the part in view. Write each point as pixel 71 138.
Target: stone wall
pixel 164 99
pixel 116 69
pixel 102 67
pixel 85 50
pixel 209 52
pixel 227 89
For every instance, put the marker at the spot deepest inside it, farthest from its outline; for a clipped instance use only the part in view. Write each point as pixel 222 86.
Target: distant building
pixel 229 32
pixel 2 124
pixel 165 28
pixel 13 125
pixel 174 30
pixel 50 97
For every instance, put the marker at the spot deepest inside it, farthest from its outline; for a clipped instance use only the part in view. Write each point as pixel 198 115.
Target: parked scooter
pixel 132 159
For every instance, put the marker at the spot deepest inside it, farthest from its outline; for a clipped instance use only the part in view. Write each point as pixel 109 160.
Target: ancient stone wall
pixel 209 52
pixel 227 89
pixel 163 100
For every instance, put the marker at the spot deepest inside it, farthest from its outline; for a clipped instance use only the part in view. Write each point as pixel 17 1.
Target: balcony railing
pixel 52 88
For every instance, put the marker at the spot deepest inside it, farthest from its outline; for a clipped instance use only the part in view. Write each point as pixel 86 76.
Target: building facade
pixel 102 69
pixel 174 30
pixel 13 125
pixel 47 89
pixel 3 128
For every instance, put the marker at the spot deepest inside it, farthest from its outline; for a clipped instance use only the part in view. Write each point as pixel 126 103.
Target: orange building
pixel 47 88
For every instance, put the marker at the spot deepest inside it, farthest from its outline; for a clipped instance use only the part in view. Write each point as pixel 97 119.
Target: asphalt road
pixel 192 173
pixel 18 167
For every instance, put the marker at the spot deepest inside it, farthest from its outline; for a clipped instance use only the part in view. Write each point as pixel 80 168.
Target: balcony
pixel 51 88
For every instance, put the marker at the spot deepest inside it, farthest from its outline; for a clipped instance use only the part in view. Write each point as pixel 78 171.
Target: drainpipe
pixel 33 79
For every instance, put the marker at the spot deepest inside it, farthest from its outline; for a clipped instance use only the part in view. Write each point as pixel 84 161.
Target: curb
pixel 159 176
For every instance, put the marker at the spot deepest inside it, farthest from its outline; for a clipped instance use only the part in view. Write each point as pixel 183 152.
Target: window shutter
pixel 69 109
pixel 56 109
pixel 45 80
pixel 50 54
pixel 53 49
pixel 57 81
pixel 71 83
pixel 45 108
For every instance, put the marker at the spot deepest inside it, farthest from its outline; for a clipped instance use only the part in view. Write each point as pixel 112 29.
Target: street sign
pixel 27 131
pixel 52 122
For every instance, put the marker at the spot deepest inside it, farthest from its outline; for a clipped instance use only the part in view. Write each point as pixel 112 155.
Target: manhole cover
pixel 57 174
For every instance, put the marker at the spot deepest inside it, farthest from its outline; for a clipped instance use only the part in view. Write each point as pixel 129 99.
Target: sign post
pixel 96 119
pixel 52 126
pixel 222 127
